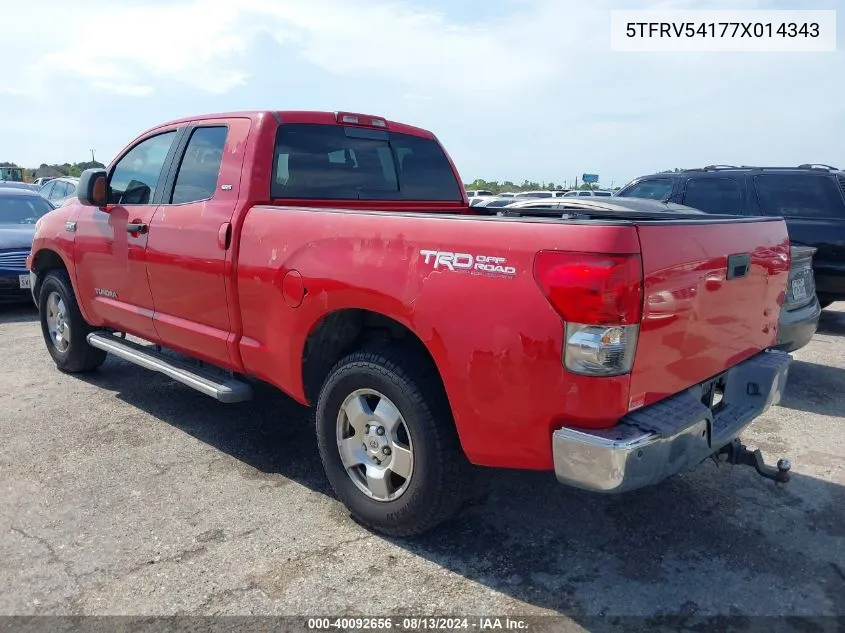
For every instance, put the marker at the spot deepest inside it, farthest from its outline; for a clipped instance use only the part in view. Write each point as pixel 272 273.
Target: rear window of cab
pixel 346 163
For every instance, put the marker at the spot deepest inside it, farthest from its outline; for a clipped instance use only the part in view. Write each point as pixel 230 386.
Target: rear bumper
pixel 797 327
pixel 673 435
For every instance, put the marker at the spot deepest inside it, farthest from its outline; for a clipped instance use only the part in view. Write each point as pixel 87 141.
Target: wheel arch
pixel 344 331
pixel 43 262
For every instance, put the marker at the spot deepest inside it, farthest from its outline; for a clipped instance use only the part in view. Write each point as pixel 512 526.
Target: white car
pixel 475 201
pixel 474 193
pixel 586 193
pixel 541 194
pixel 58 190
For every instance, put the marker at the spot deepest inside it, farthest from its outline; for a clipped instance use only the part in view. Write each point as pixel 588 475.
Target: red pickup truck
pixel 335 256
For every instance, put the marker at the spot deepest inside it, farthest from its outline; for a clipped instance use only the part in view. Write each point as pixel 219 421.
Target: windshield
pixel 22 209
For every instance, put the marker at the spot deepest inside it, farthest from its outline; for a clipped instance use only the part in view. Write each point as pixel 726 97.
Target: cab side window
pixel 136 176
pixel 200 167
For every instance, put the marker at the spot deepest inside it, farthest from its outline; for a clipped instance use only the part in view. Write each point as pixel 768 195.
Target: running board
pixel 228 391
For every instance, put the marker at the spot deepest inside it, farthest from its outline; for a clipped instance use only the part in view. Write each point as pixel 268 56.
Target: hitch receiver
pixel 737 454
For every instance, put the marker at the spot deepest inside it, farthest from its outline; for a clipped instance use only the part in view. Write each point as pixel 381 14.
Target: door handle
pixel 224 236
pixel 136 227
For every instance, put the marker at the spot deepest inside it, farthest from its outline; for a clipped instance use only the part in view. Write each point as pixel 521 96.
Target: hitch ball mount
pixel 737 454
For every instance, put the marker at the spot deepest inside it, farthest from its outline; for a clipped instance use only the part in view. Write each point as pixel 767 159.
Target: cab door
pixel 189 260
pixel 110 244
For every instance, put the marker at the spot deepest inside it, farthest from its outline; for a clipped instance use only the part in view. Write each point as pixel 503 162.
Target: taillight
pixel 599 297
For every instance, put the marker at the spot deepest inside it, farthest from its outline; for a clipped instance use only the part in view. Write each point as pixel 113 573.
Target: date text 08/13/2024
pixel 419 623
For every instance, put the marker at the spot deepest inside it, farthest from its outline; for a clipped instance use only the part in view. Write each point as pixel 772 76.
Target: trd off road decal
pixel 466 262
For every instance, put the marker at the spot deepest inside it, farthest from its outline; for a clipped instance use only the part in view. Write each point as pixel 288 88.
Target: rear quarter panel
pixel 495 339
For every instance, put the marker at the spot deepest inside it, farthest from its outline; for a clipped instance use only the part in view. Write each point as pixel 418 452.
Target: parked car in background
pixel 19 211
pixel 553 193
pixel 42 181
pixel 59 189
pixel 573 206
pixel 496 202
pixel 799 315
pixel 588 193
pixel 13 184
pixel 474 193
pixel 475 201
pixel 811 199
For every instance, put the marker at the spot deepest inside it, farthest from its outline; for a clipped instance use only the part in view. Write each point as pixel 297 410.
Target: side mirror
pixel 92 188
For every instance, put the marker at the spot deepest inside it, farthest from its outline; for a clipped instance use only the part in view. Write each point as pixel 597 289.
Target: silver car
pixel 59 189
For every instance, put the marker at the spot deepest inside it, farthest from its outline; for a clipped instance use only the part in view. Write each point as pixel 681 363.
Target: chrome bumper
pixel 673 435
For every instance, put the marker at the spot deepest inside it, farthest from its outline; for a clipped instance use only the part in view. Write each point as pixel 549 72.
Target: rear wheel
pixel 65 331
pixel 388 442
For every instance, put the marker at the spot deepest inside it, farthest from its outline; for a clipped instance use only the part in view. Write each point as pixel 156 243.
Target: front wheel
pixel 388 442
pixel 65 331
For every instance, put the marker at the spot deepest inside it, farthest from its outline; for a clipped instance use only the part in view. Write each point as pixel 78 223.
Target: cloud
pixel 517 89
pixel 128 90
pixel 202 43
pixel 124 47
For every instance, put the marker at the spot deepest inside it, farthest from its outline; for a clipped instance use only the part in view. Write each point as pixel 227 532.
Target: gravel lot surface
pixel 126 493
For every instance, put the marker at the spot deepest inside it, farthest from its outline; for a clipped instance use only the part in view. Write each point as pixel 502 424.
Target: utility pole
pixel 92 156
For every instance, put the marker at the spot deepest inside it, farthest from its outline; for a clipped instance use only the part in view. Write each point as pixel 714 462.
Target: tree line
pixel 65 169
pixel 497 187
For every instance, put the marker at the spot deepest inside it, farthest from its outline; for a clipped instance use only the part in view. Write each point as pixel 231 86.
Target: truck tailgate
pixel 711 299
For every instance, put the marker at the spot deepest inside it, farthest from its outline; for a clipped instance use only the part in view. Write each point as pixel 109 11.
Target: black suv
pixel 811 198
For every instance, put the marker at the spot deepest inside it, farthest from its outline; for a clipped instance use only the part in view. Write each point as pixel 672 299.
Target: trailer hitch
pixel 737 454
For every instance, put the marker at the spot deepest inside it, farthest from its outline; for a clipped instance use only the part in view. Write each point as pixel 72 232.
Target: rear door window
pixel 652 189
pixel 324 161
pixel 713 195
pixel 799 196
pixel 200 167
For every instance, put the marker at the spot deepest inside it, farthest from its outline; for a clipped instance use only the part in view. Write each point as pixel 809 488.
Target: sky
pixel 514 89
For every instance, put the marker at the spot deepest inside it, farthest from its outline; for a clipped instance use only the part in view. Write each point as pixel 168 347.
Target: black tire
pixel 825 303
pixel 78 356
pixel 436 488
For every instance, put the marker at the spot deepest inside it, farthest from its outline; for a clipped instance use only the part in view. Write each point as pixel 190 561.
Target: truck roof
pixel 301 116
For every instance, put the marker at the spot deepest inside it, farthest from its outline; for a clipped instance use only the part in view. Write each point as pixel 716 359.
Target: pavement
pixel 122 492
